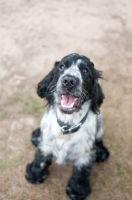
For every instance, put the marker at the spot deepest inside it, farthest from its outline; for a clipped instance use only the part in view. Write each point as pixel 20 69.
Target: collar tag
pixel 65 137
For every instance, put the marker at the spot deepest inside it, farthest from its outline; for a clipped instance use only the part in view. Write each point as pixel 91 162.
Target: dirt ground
pixel 34 34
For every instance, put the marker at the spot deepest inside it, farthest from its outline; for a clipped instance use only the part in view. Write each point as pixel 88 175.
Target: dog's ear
pixel 97 95
pixel 46 85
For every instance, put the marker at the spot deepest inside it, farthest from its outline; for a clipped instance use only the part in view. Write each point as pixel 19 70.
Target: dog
pixel 71 128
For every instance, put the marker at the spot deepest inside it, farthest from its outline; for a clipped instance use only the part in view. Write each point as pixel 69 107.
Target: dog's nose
pixel 69 81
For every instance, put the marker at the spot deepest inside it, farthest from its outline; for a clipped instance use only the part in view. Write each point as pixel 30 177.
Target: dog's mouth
pixel 68 103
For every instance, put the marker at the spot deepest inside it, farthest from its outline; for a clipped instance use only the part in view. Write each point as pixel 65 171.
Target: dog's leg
pixel 36 137
pixel 36 172
pixel 78 186
pixel 102 153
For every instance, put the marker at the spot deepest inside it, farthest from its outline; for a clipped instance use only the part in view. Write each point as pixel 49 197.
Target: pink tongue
pixel 67 100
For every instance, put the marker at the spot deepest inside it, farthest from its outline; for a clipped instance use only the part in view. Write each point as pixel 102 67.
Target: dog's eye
pixel 61 67
pixel 85 70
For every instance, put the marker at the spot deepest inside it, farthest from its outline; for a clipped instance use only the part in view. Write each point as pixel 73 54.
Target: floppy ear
pixel 97 93
pixel 46 86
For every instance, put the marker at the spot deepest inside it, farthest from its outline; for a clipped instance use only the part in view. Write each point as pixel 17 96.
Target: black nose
pixel 69 81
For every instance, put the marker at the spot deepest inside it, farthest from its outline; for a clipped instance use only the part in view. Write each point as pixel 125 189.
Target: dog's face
pixel 72 81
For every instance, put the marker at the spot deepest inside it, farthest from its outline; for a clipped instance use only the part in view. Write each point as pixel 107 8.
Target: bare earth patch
pixel 34 34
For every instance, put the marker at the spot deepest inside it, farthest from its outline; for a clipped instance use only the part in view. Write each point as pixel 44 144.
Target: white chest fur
pixel 77 146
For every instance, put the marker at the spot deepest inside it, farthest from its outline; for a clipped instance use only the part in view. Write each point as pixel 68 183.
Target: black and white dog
pixel 71 128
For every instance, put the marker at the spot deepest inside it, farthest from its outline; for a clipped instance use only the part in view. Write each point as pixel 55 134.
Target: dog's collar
pixel 66 128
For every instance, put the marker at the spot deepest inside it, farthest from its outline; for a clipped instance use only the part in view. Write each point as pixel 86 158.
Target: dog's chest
pixel 67 147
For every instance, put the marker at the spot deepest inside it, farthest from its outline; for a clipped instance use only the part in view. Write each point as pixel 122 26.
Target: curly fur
pixel 75 76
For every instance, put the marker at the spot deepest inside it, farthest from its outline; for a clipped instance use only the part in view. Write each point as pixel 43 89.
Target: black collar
pixel 66 128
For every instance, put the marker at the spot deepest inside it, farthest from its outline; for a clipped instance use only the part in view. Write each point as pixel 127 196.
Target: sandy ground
pixel 34 34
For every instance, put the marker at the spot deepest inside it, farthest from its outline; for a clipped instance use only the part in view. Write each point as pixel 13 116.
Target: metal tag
pixel 65 137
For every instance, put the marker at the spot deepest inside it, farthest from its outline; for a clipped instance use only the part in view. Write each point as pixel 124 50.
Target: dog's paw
pixel 36 137
pixel 78 191
pixel 102 154
pixel 35 174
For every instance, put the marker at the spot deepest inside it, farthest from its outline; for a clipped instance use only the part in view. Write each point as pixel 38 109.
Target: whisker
pixel 85 94
pixel 51 91
pixel 85 91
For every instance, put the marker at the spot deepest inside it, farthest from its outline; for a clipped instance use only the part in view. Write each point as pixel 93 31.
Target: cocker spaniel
pixel 71 128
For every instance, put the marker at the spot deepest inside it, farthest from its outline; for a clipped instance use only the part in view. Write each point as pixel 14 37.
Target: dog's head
pixel 71 82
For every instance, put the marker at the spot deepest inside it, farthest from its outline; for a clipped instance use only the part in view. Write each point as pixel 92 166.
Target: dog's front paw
pixel 35 174
pixel 78 191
